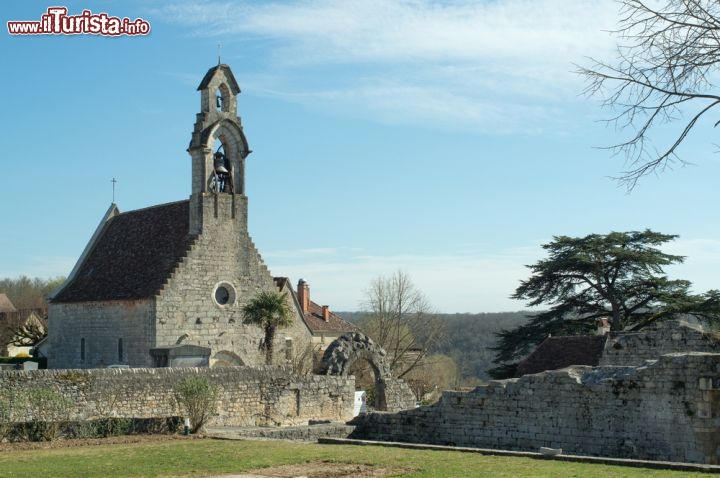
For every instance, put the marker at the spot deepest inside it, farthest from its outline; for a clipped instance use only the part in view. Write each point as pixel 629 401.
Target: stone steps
pixel 190 245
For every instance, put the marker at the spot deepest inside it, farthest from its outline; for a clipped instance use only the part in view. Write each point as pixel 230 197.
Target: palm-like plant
pixel 269 310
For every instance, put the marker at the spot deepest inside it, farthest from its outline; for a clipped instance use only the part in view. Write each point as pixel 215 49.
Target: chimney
pixel 303 292
pixel 326 313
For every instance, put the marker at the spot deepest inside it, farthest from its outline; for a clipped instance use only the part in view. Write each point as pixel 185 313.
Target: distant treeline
pixel 27 293
pixel 468 338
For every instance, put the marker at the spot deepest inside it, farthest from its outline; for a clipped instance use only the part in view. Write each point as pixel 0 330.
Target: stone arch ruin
pixel 390 394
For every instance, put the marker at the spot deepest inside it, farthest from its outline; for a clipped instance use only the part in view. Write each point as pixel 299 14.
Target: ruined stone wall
pixel 108 329
pixel 398 395
pixel 668 410
pixel 249 396
pixel 223 254
pixel 634 348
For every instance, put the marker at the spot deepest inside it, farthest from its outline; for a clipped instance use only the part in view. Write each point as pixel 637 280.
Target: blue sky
pixel 446 139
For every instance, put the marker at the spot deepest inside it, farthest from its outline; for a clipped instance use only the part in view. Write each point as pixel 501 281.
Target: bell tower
pixel 218 149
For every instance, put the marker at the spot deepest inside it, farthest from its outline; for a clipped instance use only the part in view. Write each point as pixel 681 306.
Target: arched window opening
pixel 82 349
pixel 120 350
pixel 222 98
pixel 218 100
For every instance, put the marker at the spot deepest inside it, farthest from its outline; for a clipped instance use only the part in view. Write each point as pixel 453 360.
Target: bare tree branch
pixel 402 321
pixel 664 71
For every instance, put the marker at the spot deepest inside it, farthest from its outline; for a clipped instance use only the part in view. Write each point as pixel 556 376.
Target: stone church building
pixel 178 274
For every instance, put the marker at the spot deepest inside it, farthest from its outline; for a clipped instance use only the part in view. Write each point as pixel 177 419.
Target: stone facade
pixel 186 309
pixel 668 410
pixel 249 396
pixel 177 273
pixel 85 335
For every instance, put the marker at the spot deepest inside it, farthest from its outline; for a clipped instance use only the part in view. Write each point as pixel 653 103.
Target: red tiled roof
pixel 314 316
pixel 559 352
pixel 133 256
pixel 316 323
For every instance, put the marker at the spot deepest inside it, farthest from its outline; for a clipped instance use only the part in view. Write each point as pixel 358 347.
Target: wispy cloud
pixel 469 280
pixel 467 63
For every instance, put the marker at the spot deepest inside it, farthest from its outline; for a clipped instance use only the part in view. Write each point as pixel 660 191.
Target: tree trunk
pixel 616 325
pixel 269 338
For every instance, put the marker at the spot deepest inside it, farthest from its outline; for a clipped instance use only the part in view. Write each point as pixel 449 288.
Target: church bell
pixel 219 163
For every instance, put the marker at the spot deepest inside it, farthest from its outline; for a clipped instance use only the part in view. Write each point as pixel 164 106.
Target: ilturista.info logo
pixel 57 22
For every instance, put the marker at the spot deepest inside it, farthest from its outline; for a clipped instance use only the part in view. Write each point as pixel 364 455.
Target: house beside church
pixel 324 325
pixel 179 273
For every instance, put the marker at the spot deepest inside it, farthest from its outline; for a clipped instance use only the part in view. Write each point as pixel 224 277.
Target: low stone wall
pixel 310 433
pixel 668 410
pixel 249 396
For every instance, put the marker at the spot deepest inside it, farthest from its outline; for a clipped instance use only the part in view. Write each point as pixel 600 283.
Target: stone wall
pixel 398 395
pixel 249 396
pixel 107 329
pixel 634 348
pixel 668 410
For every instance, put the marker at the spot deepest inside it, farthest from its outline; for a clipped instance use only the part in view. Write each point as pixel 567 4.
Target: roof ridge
pixel 147 208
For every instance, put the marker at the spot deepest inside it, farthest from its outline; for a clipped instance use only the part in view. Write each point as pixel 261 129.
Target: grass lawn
pixel 206 457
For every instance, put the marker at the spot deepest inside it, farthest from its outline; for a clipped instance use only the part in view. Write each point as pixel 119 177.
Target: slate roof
pixel 211 72
pixel 555 353
pixel 314 316
pixel 134 255
pixel 6 304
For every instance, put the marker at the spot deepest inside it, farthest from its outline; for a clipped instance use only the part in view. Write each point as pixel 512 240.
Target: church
pixel 169 281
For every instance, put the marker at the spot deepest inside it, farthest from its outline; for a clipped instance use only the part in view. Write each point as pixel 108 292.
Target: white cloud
pixel 534 31
pixel 489 66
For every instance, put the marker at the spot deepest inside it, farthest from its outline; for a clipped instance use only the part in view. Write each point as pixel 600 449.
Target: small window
pixel 120 350
pixel 82 349
pixel 224 294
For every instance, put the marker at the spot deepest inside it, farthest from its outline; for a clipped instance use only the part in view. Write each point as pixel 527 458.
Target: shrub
pixel 10 402
pixel 48 410
pixel 198 398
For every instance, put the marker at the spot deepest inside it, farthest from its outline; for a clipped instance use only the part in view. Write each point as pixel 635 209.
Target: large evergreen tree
pixel 619 276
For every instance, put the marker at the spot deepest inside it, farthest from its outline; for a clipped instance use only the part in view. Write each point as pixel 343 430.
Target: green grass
pixel 203 457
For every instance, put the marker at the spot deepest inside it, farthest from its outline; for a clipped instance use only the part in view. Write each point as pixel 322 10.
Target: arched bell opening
pixel 225 158
pixel 222 178
pixel 222 98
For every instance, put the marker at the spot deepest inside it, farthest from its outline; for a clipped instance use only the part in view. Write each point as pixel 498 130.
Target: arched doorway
pixel 226 358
